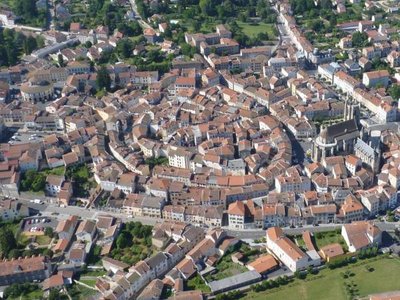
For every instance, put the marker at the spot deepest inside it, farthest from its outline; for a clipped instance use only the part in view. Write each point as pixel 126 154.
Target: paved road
pixel 259 233
pixel 50 209
pixel 139 18
pixel 53 210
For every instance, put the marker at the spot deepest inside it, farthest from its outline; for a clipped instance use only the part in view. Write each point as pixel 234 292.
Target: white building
pixel 54 184
pixel 287 251
pixel 361 235
pixel 179 158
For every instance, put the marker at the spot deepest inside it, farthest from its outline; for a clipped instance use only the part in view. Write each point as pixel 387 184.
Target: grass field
pixel 43 240
pixel 89 282
pixel 325 238
pixel 330 285
pixel 35 295
pixel 252 30
pixel 226 268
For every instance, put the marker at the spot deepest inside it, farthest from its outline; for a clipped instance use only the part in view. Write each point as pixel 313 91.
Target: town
pixel 199 149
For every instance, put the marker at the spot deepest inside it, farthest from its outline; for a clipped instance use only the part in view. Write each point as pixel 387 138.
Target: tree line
pixel 14 44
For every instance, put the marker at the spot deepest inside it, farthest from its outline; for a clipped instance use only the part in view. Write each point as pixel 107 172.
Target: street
pixel 50 209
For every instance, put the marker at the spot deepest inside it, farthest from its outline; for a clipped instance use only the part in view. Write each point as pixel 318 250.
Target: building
pixel 376 78
pixel 21 270
pixel 339 138
pixel 37 91
pixel 263 264
pixel 361 235
pixel 368 155
pixel 331 251
pixel 179 158
pixel 11 210
pixel 287 251
pixel 54 184
pixel 234 282
pixel 86 231
pixel 240 215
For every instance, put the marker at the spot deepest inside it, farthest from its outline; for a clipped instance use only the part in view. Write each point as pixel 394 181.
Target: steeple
pixel 351 110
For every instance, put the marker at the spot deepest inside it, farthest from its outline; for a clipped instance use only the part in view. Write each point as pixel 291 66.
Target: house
pixel 11 210
pixel 114 265
pixel 331 251
pixel 65 194
pixel 240 215
pixel 54 184
pixel 376 78
pixel 179 158
pixel 361 235
pixel 24 270
pixel 86 231
pixel 77 254
pixel 58 281
pixel 152 291
pixel 66 228
pixel 394 59
pixel 287 251
pixel 150 35
pixel 350 210
pixel 263 264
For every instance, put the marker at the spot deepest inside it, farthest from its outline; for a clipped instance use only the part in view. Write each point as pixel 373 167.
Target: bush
pixel 18 290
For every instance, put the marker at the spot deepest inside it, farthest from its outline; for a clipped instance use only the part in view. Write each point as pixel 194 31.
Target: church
pixel 341 137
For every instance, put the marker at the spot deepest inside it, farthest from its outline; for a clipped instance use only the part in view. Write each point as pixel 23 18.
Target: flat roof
pixel 234 281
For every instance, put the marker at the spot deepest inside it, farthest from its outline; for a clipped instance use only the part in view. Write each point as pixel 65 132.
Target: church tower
pixel 351 110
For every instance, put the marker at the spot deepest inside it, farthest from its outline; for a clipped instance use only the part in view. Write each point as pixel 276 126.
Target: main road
pixel 53 210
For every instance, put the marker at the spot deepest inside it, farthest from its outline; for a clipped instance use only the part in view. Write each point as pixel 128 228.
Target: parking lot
pixel 36 225
pixel 21 137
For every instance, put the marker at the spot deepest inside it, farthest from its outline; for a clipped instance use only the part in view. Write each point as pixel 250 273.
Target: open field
pixel 252 30
pixel 330 285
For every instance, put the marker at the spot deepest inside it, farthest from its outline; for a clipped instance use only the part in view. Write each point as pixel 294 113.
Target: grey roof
pixel 234 281
pixel 156 260
pixel 341 129
pixel 152 202
pixel 364 148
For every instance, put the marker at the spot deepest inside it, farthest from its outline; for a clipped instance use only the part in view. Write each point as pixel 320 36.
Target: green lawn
pixel 43 240
pixel 35 295
pixel 330 285
pixel 78 292
pixel 252 30
pixel 94 273
pixel 226 268
pixel 330 237
pixel 89 282
pixel 197 283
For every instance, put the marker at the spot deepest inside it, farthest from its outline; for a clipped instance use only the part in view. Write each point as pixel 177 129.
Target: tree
pixel 88 44
pixel 124 48
pixel 188 50
pixel 7 241
pixel 394 91
pixel 103 79
pixel 48 253
pixel 39 183
pixel 14 253
pixel 54 294
pixel 124 240
pixel 49 231
pixel 60 59
pixel 359 39
pixel 29 44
